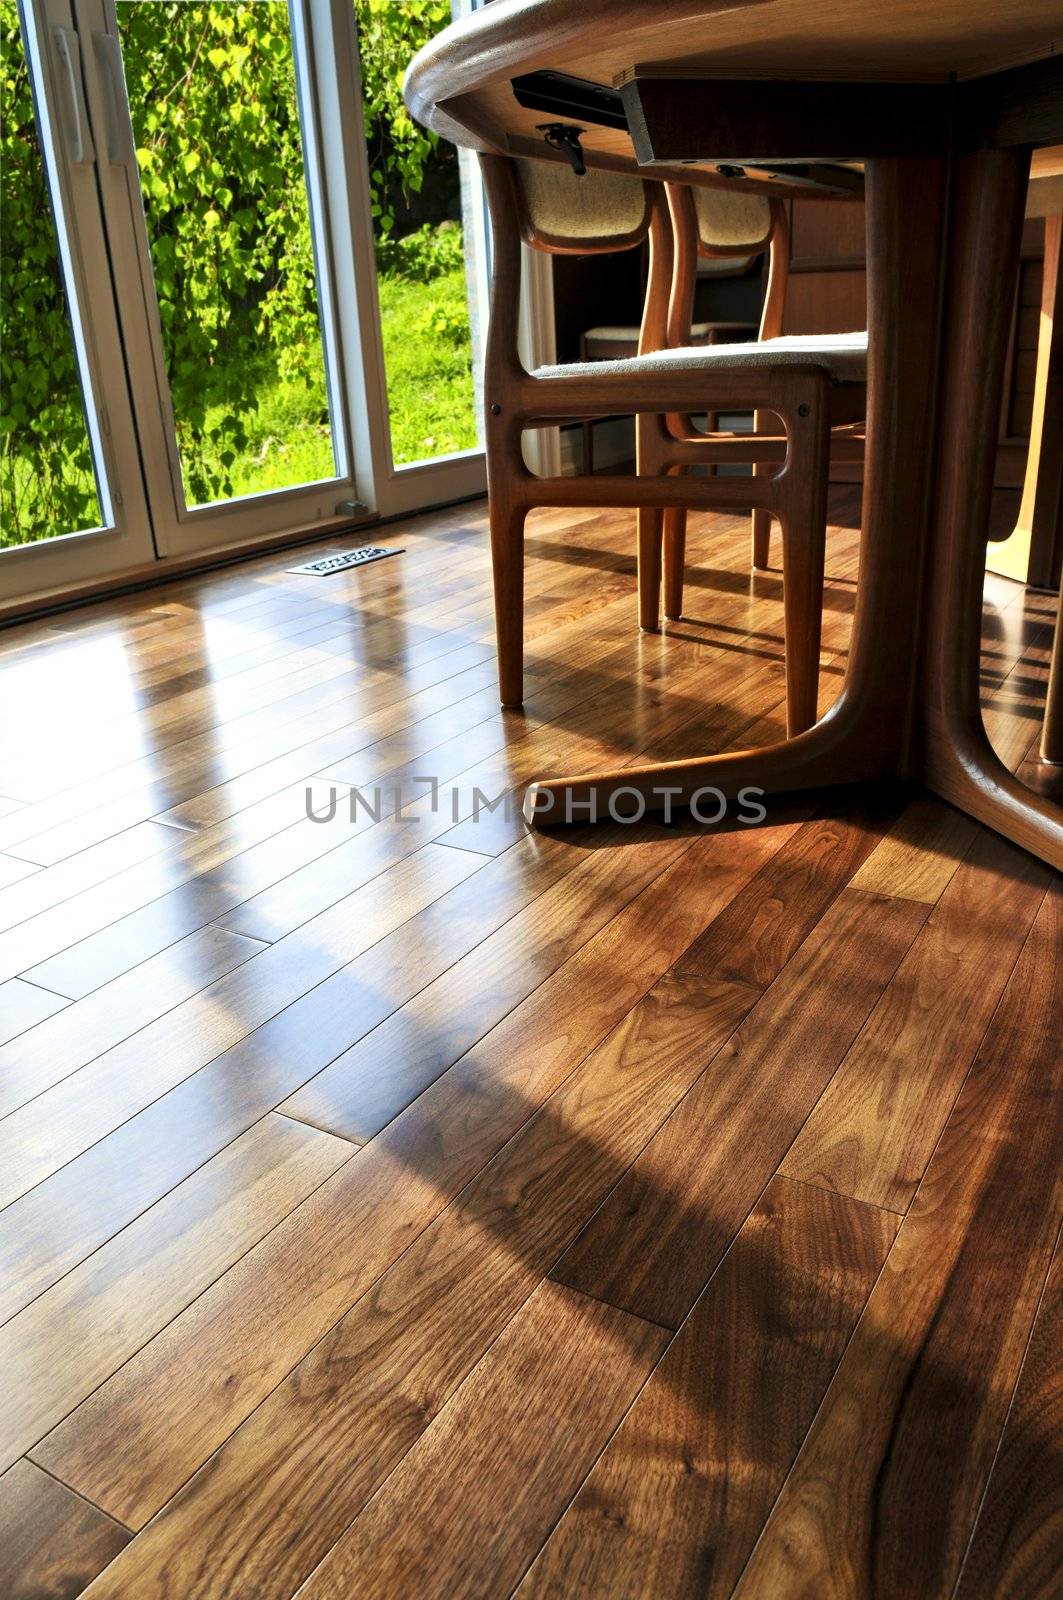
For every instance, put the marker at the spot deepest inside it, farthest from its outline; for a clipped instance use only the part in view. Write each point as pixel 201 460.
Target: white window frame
pixel 124 538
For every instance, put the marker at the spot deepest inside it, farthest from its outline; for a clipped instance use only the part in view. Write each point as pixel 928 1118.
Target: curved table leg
pixel 865 735
pixel 951 751
pixel 1032 552
pixel 1052 733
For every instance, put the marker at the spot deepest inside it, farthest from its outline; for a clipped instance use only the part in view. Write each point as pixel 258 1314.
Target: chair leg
pixel 804 541
pixel 761 539
pixel 507 565
pixel 762 423
pixel 675 542
pixel 650 519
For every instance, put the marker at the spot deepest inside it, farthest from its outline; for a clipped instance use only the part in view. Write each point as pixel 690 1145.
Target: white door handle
pixel 121 151
pixel 68 54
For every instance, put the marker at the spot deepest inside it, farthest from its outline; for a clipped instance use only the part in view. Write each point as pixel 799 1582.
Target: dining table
pixel 938 114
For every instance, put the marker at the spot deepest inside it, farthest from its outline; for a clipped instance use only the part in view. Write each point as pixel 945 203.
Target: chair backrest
pixel 564 214
pixel 730 225
pixel 731 222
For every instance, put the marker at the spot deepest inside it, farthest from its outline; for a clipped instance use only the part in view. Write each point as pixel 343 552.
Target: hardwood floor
pixel 408 1205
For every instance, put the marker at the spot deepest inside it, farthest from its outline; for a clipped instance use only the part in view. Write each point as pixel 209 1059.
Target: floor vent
pixel 347 558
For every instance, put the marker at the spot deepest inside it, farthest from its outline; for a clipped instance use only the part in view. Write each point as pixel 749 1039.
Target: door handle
pixel 68 54
pixel 121 151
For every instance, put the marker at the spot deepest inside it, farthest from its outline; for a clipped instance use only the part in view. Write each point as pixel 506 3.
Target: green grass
pixel 428 362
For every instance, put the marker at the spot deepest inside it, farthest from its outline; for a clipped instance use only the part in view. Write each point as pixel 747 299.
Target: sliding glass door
pixel 205 248
pixel 72 504
pixel 211 190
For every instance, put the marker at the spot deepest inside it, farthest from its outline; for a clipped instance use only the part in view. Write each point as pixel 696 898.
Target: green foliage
pixel 215 114
pixel 427 253
pixel 213 98
pixel 46 477
pixel 389 35
pixel 429 378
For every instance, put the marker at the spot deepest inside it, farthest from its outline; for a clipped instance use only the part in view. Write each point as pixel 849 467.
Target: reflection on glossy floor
pixel 420 1207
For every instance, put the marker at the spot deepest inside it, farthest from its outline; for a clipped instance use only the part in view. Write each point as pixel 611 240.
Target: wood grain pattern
pixel 675 1504
pixel 359 1092
pixel 52 1543
pixel 661 1232
pixel 919 855
pixel 876 1124
pixel 86 1028
pixel 338 1425
pixel 333 1246
pixel 1017 1545
pixel 129 1289
pixel 476 1496
pixel 69 1118
pixel 221 1095
pixel 766 923
pixel 504 1053
pixel 932 1365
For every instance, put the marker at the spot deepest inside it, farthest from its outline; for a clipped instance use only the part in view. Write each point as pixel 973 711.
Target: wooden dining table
pixel 943 112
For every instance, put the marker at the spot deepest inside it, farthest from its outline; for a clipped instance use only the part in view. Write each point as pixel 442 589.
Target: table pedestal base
pixel 909 706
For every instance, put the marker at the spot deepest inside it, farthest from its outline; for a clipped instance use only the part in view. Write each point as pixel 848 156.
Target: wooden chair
pixel 614 341
pixel 704 226
pixel 552 209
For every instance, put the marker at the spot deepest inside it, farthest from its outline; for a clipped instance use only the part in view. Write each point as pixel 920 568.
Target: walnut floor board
pixel 527 1422
pixel 131 1287
pixel 71 1034
pixel 45 1134
pixel 340 1423
pixel 52 1543
pixel 359 1176
pixel 930 1370
pixel 1018 1539
pixel 876 1124
pixel 665 1226
pixel 62 1219
pixel 346 1235
pixel 675 1504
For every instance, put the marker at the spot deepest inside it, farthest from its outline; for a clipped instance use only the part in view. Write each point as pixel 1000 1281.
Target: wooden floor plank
pixel 48 887
pixel 780 907
pixel 125 1292
pixel 349 1233
pixel 873 1131
pixel 219 1096
pixel 886 1487
pixel 370 1083
pixel 223 867
pixel 674 1506
pixel 22 1007
pixel 84 1029
pixel 474 1499
pixel 52 1543
pixel 333 1370
pixel 67 1119
pixel 353 1407
pixel 919 855
pixel 660 1234
pixel 1016 1552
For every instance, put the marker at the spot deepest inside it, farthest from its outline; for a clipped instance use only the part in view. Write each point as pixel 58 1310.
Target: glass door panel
pixel 210 179
pixel 425 235
pixel 215 113
pixel 58 476
pixel 48 483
